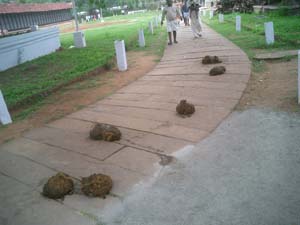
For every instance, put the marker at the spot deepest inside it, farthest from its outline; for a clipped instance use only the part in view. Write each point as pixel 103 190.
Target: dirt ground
pixel 81 94
pixel 275 87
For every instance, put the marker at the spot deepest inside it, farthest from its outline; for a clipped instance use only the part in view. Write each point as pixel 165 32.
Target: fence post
pixel 4 114
pixel 238 23
pixel 151 27
pixel 269 33
pixel 211 14
pixel 141 38
pixel 298 76
pixel 121 55
pixel 221 18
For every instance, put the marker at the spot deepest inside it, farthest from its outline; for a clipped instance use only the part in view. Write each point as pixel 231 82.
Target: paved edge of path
pixel 145 113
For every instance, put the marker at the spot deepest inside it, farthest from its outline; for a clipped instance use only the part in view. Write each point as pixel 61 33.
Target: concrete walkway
pixel 145 113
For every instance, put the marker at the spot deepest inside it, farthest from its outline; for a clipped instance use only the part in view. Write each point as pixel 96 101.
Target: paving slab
pixel 138 104
pixel 173 98
pixel 142 124
pixel 184 92
pixel 190 77
pixel 136 160
pixel 197 68
pixel 73 141
pixel 132 138
pixel 90 206
pixel 24 170
pixel 195 84
pixel 204 118
pixel 116 120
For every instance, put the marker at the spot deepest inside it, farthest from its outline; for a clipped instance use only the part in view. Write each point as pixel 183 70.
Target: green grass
pixel 58 69
pixel 251 38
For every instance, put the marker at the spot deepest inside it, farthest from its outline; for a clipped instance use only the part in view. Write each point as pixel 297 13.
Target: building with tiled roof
pixel 22 16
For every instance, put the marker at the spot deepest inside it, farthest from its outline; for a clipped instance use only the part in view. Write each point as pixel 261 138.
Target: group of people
pixel 189 11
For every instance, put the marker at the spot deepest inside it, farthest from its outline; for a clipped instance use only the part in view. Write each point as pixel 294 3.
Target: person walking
pixel 185 12
pixel 194 15
pixel 171 13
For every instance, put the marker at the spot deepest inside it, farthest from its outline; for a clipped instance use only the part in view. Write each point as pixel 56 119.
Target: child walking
pixel 194 14
pixel 171 13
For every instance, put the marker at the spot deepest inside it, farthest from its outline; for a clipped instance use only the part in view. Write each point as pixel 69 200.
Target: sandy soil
pixel 81 94
pixel 275 87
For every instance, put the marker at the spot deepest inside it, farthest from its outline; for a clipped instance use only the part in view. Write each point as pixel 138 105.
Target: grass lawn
pixel 251 38
pixel 29 82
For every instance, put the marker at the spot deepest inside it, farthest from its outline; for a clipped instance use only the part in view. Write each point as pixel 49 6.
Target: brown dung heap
pixel 217 70
pixel 185 108
pixel 96 185
pixel 105 132
pixel 58 186
pixel 211 59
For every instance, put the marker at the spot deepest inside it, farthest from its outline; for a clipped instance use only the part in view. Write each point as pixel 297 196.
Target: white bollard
pixel 269 33
pixel 299 77
pixel 4 114
pixel 211 14
pixel 79 39
pixel 204 12
pixel 221 18
pixel 121 55
pixel 34 28
pixel 141 38
pixel 155 22
pixel 151 27
pixel 238 23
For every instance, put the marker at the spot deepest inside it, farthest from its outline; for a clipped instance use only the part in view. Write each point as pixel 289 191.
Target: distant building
pixel 22 16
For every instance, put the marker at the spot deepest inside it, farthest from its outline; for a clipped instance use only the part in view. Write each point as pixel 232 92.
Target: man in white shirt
pixel 171 13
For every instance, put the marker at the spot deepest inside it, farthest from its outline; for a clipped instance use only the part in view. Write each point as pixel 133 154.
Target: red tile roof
pixel 20 8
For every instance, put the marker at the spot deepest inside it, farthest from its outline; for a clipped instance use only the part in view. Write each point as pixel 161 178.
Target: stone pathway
pixel 145 113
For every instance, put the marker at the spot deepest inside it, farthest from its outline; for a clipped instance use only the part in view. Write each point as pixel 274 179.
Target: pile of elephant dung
pixel 184 108
pixel 105 132
pixel 211 59
pixel 58 186
pixel 96 185
pixel 217 70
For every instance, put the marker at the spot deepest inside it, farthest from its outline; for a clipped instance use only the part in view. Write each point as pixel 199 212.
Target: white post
pixel 299 77
pixel 34 28
pixel 204 12
pixel 211 14
pixel 4 114
pixel 121 55
pixel 221 18
pixel 141 38
pixel 269 33
pixel 79 39
pixel 156 21
pixel 151 27
pixel 238 23
pixel 102 18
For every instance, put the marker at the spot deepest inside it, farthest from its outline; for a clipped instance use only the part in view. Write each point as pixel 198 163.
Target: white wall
pixel 21 48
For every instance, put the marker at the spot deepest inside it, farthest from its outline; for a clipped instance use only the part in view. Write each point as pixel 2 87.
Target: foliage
pixel 49 72
pixel 236 5
pixel 251 38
